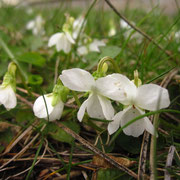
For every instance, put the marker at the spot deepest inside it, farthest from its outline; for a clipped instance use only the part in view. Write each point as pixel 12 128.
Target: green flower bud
pixel 8 79
pixel 105 68
pixel 12 68
pixel 60 93
pixel 68 25
pixel 136 80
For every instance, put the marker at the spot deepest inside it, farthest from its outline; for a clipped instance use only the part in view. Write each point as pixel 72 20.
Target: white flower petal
pixel 107 107
pixel 152 97
pixel 30 24
pixel 57 111
pixel 54 39
pixel 77 26
pixel 8 97
pixel 94 46
pixel 77 79
pixel 64 44
pixel 114 125
pixel 94 108
pixel 117 87
pixel 82 110
pixel 39 107
pixel 82 50
pixel 138 127
pixel 124 24
pixel 69 37
pixel 148 126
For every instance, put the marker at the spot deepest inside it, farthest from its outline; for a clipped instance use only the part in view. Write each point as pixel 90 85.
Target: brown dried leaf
pixel 99 161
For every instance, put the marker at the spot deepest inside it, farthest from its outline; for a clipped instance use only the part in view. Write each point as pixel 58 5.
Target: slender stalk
pixel 105 59
pixel 76 98
pixel 153 159
pixel 35 158
pixel 70 160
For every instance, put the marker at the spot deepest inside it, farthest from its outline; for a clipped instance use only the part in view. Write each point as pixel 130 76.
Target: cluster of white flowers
pixel 136 98
pixel 71 29
pixel 119 88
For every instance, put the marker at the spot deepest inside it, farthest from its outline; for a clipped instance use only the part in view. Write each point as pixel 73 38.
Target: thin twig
pixel 14 142
pixel 169 162
pixel 137 29
pixel 143 156
pixel 97 151
pixel 30 166
pixel 24 100
pixel 24 149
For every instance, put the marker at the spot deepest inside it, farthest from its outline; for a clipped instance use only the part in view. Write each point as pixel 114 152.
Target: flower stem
pixel 76 98
pixel 153 161
pixel 105 59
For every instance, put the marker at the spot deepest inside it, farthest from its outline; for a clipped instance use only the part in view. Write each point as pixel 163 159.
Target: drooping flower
pixel 8 88
pixel 77 24
pixel 50 106
pixel 36 25
pixel 62 41
pixel 97 105
pixel 82 50
pixel 138 99
pixel 129 30
pixel 7 97
pixel 41 111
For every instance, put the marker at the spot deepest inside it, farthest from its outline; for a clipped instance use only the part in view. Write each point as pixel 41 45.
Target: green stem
pixel 76 98
pixel 35 158
pixel 105 59
pixel 12 57
pixel 70 160
pixel 153 160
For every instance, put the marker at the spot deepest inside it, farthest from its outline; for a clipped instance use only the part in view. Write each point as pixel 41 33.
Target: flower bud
pixel 136 80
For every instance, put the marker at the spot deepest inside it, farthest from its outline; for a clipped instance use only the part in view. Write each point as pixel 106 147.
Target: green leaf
pixel 59 134
pixel 111 51
pixel 35 79
pixel 33 58
pixel 128 143
pixel 5 138
pixel 24 115
pixel 113 174
pixel 34 42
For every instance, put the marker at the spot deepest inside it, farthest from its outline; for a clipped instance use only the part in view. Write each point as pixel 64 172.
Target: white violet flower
pixel 138 99
pixel 97 105
pixel 82 50
pixel 62 41
pixel 36 25
pixel 94 46
pixel 40 109
pixel 7 97
pixel 77 26
pixel 8 88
